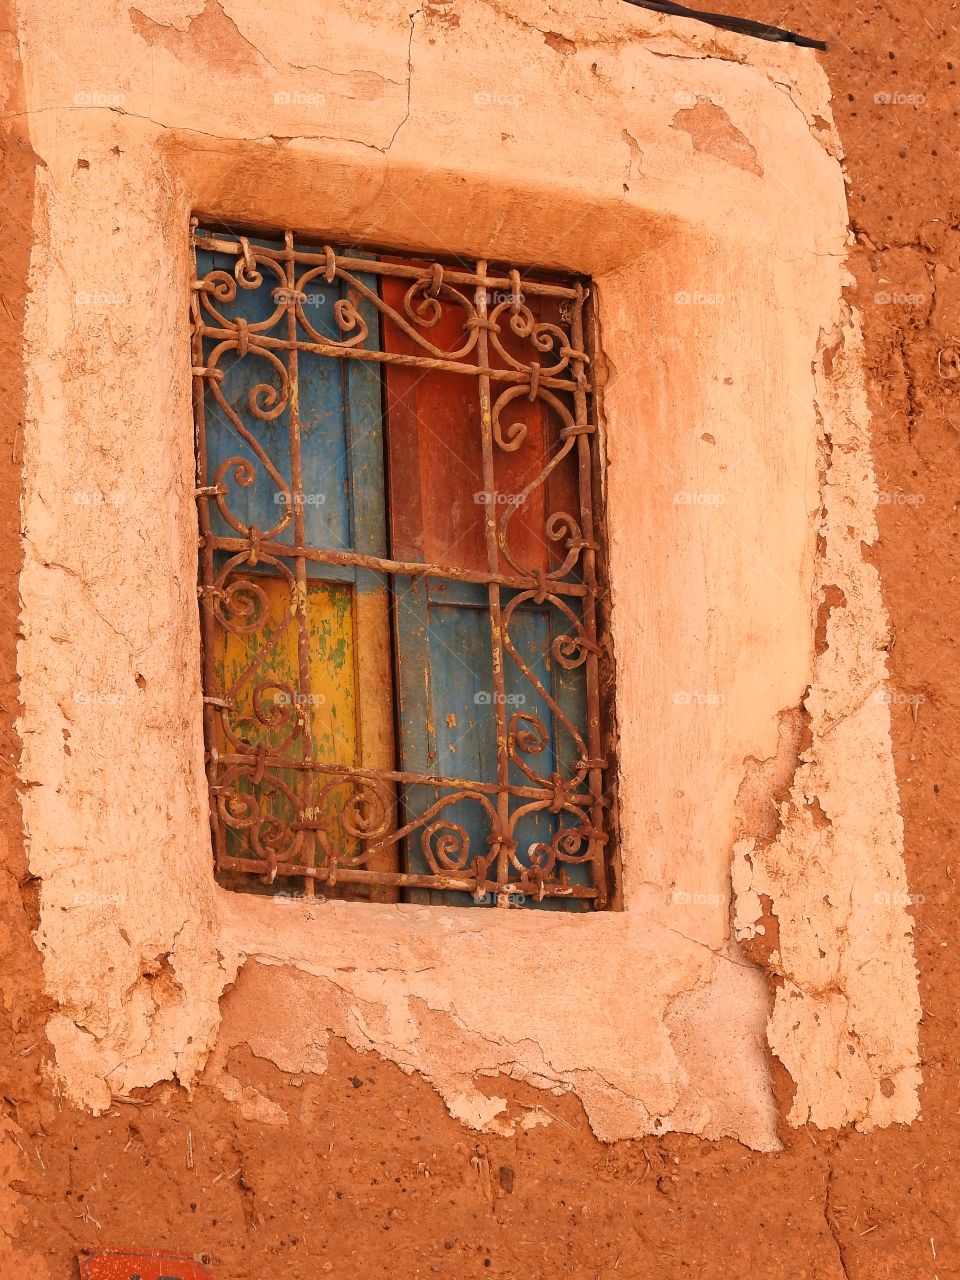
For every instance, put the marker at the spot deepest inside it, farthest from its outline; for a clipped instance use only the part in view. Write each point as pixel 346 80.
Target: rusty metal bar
pixel 371 266
pixel 397 775
pixel 339 352
pixel 499 845
pixel 299 537
pixel 585 448
pixel 407 568
pixel 405 879
pixel 206 570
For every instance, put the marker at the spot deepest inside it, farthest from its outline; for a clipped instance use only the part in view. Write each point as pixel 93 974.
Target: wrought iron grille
pixel 290 808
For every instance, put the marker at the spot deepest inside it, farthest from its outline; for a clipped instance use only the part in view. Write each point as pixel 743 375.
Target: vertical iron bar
pixel 299 526
pixel 585 452
pixel 493 588
pixel 207 620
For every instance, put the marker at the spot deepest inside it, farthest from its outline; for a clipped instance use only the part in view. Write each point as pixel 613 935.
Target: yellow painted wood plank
pixel 319 719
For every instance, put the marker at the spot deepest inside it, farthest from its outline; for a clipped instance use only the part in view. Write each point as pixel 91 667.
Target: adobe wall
pixel 698 183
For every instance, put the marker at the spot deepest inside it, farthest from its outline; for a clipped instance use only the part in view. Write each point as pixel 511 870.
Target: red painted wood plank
pixel 437 497
pixel 434 443
pixel 527 536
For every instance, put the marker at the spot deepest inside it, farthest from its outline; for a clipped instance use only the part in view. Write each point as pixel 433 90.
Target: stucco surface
pixel 695 178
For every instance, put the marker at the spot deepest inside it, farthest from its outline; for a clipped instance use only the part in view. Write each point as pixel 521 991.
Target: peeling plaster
pixel 210 41
pixel 711 130
pixel 833 873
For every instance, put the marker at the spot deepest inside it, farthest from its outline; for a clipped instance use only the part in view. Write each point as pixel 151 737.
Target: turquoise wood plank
pixel 461 724
pixel 366 481
pixel 457 731
pixel 261 502
pixel 534 630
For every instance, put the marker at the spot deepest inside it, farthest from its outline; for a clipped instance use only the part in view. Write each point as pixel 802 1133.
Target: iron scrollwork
pixel 276 810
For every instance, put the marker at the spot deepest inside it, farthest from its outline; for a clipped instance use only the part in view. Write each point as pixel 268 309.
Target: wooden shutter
pixel 325 454
pixel 438 505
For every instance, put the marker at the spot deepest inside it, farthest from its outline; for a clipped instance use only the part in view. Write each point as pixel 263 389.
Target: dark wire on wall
pixel 743 26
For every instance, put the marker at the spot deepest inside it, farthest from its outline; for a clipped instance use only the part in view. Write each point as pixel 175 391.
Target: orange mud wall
pixel 294 1155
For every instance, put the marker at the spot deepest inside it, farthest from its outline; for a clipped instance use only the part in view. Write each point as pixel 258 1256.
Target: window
pixel 404 664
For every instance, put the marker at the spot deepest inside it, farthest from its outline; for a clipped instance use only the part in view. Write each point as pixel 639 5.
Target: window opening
pixel 403 656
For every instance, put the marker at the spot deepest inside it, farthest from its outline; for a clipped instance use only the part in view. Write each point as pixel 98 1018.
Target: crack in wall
pixel 407 84
pixel 829 1216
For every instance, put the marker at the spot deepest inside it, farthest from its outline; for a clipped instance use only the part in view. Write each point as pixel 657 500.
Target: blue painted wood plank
pixel 340 425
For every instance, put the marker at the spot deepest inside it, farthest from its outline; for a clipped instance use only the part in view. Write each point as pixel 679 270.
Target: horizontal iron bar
pixel 446 880
pixel 375 266
pixel 519 377
pixel 390 775
pixel 407 568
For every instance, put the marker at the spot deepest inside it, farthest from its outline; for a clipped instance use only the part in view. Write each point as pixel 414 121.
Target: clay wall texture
pixel 777 805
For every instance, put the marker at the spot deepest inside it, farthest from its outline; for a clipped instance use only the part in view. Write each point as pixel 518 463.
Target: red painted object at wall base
pixel 130 1264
